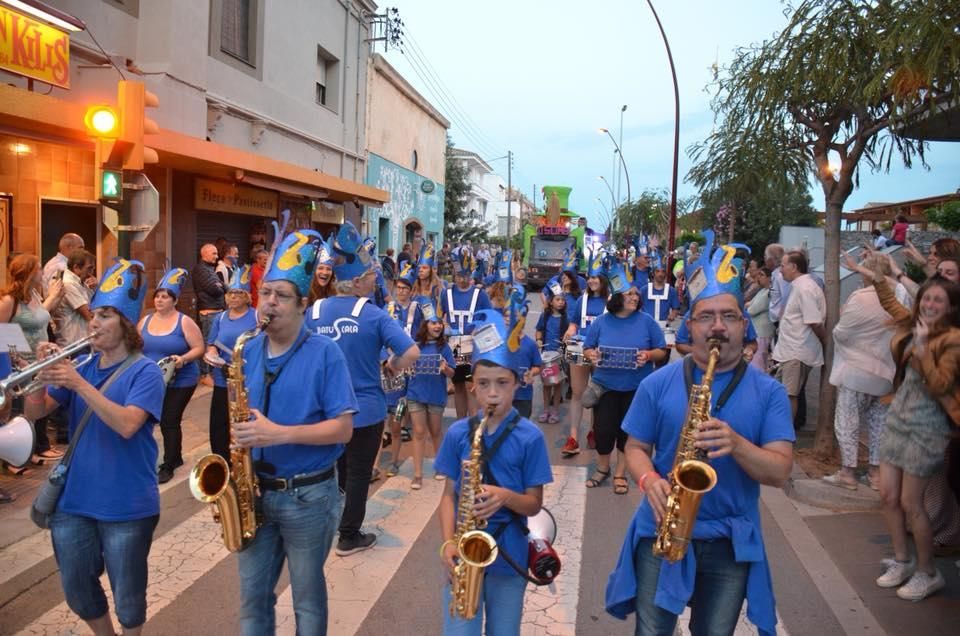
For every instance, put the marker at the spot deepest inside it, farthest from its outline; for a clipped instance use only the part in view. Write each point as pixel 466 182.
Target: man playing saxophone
pixel 744 433
pixel 301 407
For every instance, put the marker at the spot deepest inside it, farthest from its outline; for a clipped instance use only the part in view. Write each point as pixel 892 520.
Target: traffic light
pixel 102 122
pixel 110 186
pixel 134 99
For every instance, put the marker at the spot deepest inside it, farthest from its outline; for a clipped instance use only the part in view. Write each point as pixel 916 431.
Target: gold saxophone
pixel 475 548
pixel 691 476
pixel 232 491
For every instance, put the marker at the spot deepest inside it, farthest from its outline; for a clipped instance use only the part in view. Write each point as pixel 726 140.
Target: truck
pixel 548 234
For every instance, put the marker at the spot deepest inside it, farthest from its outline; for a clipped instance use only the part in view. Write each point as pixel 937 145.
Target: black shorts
pixel 463 373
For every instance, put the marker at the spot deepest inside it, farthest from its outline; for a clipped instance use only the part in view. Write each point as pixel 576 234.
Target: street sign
pixel 144 208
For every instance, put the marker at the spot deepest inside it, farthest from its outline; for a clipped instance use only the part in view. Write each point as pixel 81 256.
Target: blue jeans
pixel 718 592
pixel 298 525
pixel 501 600
pixel 83 546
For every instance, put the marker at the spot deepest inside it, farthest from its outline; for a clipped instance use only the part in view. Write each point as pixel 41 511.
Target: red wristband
pixel 643 478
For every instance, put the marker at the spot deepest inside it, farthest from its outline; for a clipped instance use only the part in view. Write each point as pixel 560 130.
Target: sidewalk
pixel 15 521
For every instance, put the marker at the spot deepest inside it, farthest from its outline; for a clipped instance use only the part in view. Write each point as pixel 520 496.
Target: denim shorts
pixel 84 546
pixel 431 409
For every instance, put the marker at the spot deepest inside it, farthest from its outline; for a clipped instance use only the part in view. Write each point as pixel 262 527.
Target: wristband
pixel 643 479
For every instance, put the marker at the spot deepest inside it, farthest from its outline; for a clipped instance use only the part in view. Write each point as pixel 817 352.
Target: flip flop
pixel 620 486
pixel 593 482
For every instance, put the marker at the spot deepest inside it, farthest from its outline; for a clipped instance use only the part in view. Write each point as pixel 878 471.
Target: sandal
pixel 17 470
pixel 376 475
pixel 543 417
pixel 554 418
pixel 620 486
pixel 6 497
pixel 598 478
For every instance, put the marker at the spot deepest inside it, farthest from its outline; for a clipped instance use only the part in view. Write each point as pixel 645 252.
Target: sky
pixel 539 78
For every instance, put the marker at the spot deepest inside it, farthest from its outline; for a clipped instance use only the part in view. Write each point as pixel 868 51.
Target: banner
pixel 34 49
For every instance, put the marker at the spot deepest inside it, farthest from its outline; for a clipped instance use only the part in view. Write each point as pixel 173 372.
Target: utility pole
pixel 509 190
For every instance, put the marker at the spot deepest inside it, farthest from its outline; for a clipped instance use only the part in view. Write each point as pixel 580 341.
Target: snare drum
pixel 551 372
pixel 574 354
pixel 462 349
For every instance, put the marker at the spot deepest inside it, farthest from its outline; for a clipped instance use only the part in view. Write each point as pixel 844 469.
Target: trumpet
pixel 24 381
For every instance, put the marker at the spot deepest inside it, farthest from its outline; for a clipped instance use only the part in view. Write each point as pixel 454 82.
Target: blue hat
pixel 517 308
pixel 463 262
pixel 570 260
pixel 122 288
pixel 657 261
pixel 714 272
pixel 504 273
pixel 240 280
pixel 173 280
pixel 492 341
pixel 641 243
pixel 429 311
pixel 428 256
pixel 407 274
pixel 295 259
pixel 325 252
pixel 620 279
pixel 351 257
pixel 595 265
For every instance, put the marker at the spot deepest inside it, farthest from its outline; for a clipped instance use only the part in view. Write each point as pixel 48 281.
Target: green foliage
pixel 690 237
pixel 648 214
pixel 457 225
pixel 946 216
pixel 914 271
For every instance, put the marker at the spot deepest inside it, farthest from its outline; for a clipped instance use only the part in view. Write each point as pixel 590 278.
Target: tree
pixel 836 84
pixel 457 224
pixel 648 214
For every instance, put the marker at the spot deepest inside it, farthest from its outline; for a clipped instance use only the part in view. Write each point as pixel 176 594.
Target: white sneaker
pixel 921 585
pixel 895 572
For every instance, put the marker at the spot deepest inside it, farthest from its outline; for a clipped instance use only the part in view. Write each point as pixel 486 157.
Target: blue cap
pixel 351 257
pixel 173 280
pixel 504 273
pixel 714 272
pixel 295 259
pixel 428 256
pixel 570 260
pixel 463 262
pixel 122 288
pixel 596 264
pixel 240 280
pixel 407 274
pixel 492 341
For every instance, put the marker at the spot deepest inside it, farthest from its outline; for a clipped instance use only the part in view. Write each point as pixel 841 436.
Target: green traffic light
pixel 111 184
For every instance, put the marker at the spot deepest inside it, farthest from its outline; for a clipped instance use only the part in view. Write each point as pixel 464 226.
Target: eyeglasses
pixel 282 297
pixel 708 318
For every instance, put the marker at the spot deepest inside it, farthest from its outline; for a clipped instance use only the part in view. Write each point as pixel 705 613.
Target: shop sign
pixel 427 186
pixel 327 213
pixel 34 49
pixel 227 197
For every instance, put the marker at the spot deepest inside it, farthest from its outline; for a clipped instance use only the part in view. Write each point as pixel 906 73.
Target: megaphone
pixel 542 559
pixel 16 441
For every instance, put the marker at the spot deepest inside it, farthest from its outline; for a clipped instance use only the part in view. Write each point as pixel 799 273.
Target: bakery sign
pixel 34 49
pixel 220 196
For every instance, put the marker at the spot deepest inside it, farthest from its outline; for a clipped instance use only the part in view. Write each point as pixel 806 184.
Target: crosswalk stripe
pixel 177 559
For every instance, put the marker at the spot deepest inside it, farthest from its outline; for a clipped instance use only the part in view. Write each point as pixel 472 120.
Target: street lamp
pixel 509 158
pixel 606 212
pixel 623 109
pixel 613 201
pixel 622 162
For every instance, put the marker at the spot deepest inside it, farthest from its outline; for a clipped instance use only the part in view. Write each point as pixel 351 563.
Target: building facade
pixel 407 140
pixel 487 203
pixel 261 109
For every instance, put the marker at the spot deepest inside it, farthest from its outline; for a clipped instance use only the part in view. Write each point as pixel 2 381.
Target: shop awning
pixel 46 117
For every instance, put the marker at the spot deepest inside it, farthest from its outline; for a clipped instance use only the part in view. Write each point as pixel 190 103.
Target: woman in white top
pixel 759 310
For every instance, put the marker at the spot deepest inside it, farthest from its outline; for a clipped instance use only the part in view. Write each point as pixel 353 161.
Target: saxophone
pixel 691 476
pixel 233 487
pixel 476 548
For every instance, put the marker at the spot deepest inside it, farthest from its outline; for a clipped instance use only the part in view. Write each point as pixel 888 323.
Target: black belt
pixel 279 483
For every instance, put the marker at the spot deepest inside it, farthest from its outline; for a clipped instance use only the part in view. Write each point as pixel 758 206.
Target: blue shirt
pixel 430 388
pixel 759 410
pixel 640 278
pixel 596 305
pixel 459 316
pixel 403 314
pixel 521 462
pixel 549 325
pixel 223 334
pixel 636 331
pixel 112 478
pixel 683 333
pixel 666 304
pixel 361 338
pixel 174 343
pixel 527 356
pixel 312 385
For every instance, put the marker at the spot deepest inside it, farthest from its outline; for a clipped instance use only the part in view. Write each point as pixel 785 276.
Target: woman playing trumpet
pixel 110 503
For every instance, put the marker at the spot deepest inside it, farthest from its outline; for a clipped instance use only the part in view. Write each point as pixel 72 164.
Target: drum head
pixel 543 526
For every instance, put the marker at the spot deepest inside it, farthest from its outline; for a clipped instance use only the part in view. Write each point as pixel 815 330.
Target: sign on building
pixel 34 49
pixel 220 196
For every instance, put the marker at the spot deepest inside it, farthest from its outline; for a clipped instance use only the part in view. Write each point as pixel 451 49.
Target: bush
pixel 946 216
pixel 688 237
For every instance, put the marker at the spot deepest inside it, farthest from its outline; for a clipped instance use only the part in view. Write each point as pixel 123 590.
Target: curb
pixel 817 492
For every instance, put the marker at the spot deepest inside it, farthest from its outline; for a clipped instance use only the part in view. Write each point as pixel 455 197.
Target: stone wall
pixel 922 240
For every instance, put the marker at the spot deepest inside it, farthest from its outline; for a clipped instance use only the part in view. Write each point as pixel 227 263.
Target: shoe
pixel 50 455
pixel 393 470
pixel 357 543
pixel 387 439
pixel 439 477
pixel 376 475
pixel 598 478
pixel 164 473
pixel 873 483
pixel 896 572
pixel 591 440
pixel 17 471
pixel 543 417
pixel 405 435
pixel 571 448
pixel 6 497
pixel 921 585
pixel 620 486
pixel 416 483
pixel 840 482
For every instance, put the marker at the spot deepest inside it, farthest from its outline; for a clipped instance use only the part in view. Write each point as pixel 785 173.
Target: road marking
pixel 177 559
pixel 553 610
pixel 354 584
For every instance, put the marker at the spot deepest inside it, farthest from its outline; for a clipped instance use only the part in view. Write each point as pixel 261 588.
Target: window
pixel 328 79
pixel 236 34
pixel 414 160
